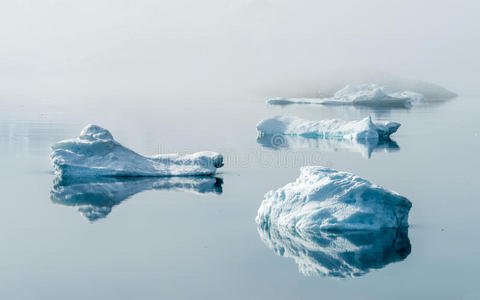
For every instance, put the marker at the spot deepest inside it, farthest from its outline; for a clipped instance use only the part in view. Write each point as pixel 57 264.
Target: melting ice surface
pixel 95 196
pixel 361 94
pixel 362 136
pixel 327 199
pixel 96 153
pixel 338 254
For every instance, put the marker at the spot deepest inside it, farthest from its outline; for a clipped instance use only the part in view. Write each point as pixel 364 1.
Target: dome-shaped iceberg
pixel 327 199
pixel 96 153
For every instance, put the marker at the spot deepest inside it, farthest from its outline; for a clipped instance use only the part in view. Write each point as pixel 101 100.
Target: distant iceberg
pixel 325 84
pixel 95 197
pixel 327 199
pixel 365 130
pixel 338 254
pixel 360 94
pixel 96 153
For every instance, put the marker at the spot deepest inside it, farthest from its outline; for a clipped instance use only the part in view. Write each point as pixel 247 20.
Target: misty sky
pixel 238 44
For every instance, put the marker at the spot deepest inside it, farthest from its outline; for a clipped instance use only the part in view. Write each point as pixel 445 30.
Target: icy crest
pixel 96 153
pixel 327 199
pixel 93 132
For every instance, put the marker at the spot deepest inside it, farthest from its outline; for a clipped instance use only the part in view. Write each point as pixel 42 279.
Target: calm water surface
pixel 187 240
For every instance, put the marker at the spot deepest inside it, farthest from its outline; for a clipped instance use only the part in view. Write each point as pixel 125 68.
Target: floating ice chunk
pixel 364 130
pixel 338 254
pixel 360 94
pixel 96 153
pixel 95 196
pixel 326 199
pixel 364 136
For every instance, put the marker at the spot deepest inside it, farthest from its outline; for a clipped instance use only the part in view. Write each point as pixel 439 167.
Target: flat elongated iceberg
pixel 96 153
pixel 360 94
pixel 338 254
pixel 364 130
pixel 94 197
pixel 327 199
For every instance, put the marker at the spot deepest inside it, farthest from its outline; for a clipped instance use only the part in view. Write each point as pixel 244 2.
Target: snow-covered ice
pixel 327 199
pixel 338 254
pixel 95 197
pixel 96 153
pixel 360 94
pixel 364 130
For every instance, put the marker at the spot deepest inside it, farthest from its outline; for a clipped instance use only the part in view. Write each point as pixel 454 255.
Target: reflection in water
pixel 96 196
pixel 366 148
pixel 352 112
pixel 356 111
pixel 338 254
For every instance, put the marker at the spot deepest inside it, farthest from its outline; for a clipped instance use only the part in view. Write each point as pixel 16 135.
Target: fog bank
pixel 218 46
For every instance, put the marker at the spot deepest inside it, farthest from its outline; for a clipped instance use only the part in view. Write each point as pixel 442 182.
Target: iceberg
pixel 94 197
pixel 96 153
pixel 326 84
pixel 327 199
pixel 338 254
pixel 363 136
pixel 365 130
pixel 360 94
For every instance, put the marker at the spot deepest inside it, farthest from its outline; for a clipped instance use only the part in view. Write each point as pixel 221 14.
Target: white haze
pixel 191 46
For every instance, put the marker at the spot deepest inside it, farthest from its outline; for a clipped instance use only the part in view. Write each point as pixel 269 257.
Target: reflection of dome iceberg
pixel 95 196
pixel 366 148
pixel 338 254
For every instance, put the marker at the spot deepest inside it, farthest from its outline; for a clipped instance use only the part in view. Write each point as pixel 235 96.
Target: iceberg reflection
pixel 338 254
pixel 94 197
pixel 277 142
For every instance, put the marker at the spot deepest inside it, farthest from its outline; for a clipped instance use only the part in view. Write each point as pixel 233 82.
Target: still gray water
pixel 197 237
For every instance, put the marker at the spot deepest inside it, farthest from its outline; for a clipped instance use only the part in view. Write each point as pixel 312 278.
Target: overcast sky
pixel 235 44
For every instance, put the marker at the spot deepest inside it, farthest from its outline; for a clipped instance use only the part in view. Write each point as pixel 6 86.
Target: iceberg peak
pixel 94 132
